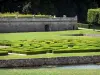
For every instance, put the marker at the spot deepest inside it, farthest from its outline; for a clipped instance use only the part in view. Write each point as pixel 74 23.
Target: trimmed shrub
pixel 76 50
pixel 60 51
pixel 15 50
pixel 83 25
pixel 35 52
pixel 15 45
pixel 5 43
pixel 49 51
pixel 3 53
pixel 25 16
pixel 50 46
pixel 18 15
pixel 70 44
pixel 57 45
pixel 8 50
pixel 36 45
pixel 92 15
pixel 43 16
pixel 18 51
pixel 7 16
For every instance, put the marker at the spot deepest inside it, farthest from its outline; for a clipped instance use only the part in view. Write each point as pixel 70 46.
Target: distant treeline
pixel 59 8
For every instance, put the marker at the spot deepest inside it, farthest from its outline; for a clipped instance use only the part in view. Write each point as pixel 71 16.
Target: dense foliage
pixel 49 7
pixel 51 46
pixel 18 15
pixel 94 16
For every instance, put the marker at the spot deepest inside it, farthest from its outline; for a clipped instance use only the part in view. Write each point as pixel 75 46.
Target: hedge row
pixel 93 15
pixel 16 15
pixel 25 51
pixel 83 25
pixel 5 43
pixel 52 46
pixel 52 50
pixel 35 52
pixel 76 51
pixel 3 53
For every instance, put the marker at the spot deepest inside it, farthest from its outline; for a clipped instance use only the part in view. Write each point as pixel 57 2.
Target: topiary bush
pixel 92 15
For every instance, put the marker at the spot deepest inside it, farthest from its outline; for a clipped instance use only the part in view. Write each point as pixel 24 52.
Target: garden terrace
pixel 27 23
pixel 52 44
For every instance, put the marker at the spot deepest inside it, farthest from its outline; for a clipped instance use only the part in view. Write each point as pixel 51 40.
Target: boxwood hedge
pixel 18 15
pixel 53 46
pixel 3 53
pixel 35 52
pixel 92 15
pixel 76 50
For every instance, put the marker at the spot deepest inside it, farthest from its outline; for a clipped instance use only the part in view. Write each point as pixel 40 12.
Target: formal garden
pixel 26 45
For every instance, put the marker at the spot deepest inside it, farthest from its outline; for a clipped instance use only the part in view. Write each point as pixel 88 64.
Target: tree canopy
pixel 59 8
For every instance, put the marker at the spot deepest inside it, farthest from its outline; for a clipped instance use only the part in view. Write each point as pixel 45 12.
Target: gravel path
pixel 4 46
pixel 17 54
pixel 93 35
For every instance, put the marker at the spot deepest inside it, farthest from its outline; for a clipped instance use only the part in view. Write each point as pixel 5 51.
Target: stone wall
pixel 49 61
pixel 37 24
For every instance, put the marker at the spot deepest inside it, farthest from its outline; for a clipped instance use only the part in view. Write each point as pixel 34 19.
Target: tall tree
pixel 54 7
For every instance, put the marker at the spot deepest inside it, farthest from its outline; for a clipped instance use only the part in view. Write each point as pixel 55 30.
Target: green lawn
pixel 46 35
pixel 49 55
pixel 49 72
pixel 78 41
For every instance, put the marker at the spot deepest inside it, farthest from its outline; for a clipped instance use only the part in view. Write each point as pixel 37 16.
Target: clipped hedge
pixel 9 50
pixel 5 43
pixel 18 15
pixel 35 52
pixel 52 46
pixel 76 50
pixel 83 25
pixel 91 16
pixel 3 53
pixel 18 51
